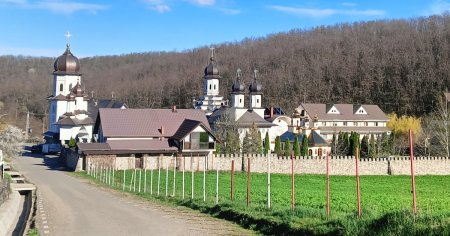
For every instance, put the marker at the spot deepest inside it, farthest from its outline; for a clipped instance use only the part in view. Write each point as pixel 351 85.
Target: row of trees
pixel 345 144
pixel 398 64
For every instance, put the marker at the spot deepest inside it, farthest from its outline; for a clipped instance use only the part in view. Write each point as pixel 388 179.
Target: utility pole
pixel 27 126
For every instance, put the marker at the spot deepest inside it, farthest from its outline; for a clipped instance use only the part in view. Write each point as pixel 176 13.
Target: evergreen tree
pixel 296 147
pixel 304 147
pixel 391 143
pixel 252 141
pixel 232 142
pixel 218 148
pixel 354 139
pixel 287 148
pixel 278 146
pixel 334 144
pixel 365 146
pixel 372 147
pixel 266 144
pixel 72 143
pixel 385 147
pixel 343 141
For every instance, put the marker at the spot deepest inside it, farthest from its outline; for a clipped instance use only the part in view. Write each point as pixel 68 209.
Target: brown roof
pixel 346 112
pixel 57 97
pixel 185 128
pixel 93 146
pixel 146 122
pixel 359 129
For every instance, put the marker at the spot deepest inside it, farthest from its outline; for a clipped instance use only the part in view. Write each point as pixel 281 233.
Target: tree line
pixel 400 65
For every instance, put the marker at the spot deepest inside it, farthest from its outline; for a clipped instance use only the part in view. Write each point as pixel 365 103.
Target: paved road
pixel 67 205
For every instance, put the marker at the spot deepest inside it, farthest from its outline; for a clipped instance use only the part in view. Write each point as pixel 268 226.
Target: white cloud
pixel 157 5
pixel 64 7
pixel 204 2
pixel 438 7
pixel 318 13
pixel 69 7
pixel 349 4
pixel 229 11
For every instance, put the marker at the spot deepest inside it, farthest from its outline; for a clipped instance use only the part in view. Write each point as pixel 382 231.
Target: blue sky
pixel 37 27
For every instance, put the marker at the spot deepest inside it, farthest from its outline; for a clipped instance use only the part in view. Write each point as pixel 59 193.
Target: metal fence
pixel 5 190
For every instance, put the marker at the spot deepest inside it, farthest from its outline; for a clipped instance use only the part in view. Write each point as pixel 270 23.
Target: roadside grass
pixel 33 232
pixel 386 202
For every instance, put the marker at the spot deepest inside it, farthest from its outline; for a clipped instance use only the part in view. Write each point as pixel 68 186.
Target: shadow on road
pixel 52 162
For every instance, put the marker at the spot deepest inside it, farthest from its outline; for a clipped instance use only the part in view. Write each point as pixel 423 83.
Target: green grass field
pixel 386 202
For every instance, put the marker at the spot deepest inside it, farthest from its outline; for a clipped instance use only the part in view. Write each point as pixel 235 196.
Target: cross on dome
pixel 255 74
pixel 68 35
pixel 212 53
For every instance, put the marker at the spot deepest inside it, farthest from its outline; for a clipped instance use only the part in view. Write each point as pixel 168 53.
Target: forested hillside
pixel 401 65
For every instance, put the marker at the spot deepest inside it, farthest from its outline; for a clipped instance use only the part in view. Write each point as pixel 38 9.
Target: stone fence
pixel 339 165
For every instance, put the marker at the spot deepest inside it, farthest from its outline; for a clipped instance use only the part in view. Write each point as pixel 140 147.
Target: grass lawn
pixel 386 202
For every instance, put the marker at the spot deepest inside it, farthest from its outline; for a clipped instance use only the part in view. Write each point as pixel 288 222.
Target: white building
pixel 211 100
pixel 68 114
pixel 331 119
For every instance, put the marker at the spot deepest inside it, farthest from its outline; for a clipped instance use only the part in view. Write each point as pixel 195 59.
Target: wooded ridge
pixel 400 65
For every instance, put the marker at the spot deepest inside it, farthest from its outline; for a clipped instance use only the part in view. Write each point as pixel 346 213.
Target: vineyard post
pixel 328 184
pixel 124 174
pixel 204 181
pixel 167 178
pixel 184 160
pixel 248 182
pixel 134 180
pixel 159 174
pixel 131 180
pixel 293 180
pixel 174 174
pixel 232 180
pixel 113 177
pixel 217 183
pixel 268 180
pixel 192 178
pixel 358 192
pixel 145 180
pixel 151 181
pixel 413 181
pixel 140 177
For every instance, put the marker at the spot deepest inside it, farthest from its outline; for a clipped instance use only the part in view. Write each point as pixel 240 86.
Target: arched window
pixel 70 86
pixel 214 87
pixel 257 100
pixel 61 87
pixel 320 152
pixel 240 100
pixel 210 87
pixel 309 152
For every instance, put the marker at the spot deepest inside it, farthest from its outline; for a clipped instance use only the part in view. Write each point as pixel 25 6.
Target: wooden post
pixel 413 181
pixel 151 181
pixel 184 160
pixel 217 183
pixel 232 180
pixel 131 180
pixel 248 182
pixel 174 174
pixel 268 180
pixel 140 177
pixel 167 179
pixel 159 176
pixel 358 193
pixel 328 184
pixel 124 175
pixel 113 179
pixel 204 181
pixel 145 180
pixel 293 181
pixel 192 178
pixel 134 181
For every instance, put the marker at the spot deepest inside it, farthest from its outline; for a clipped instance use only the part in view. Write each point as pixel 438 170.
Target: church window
pixel 240 100
pixel 310 152
pixel 210 86
pixel 214 87
pixel 61 87
pixel 70 86
pixel 257 100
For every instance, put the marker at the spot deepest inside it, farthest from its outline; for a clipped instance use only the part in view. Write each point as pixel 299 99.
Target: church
pixel 68 115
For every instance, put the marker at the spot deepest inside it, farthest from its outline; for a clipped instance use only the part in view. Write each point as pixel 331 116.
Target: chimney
pixel 271 112
pixel 174 108
pixel 161 130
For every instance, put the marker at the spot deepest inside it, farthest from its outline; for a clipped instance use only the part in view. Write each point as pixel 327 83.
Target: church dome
pixel 238 85
pixel 78 91
pixel 211 70
pixel 67 63
pixel 255 86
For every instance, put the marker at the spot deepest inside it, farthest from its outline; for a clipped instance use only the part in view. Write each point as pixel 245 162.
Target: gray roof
pixel 314 139
pixel 74 121
pixel 128 146
pixel 250 117
pixel 146 122
pixel 95 104
pixel 374 113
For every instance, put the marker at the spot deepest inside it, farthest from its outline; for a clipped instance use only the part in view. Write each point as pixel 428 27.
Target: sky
pixel 37 27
